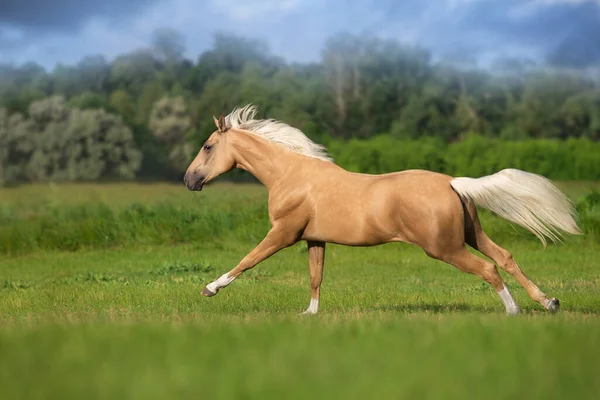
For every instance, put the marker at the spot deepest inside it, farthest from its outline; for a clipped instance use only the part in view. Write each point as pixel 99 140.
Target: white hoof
pixel 313 307
pixel 511 306
pixel 513 311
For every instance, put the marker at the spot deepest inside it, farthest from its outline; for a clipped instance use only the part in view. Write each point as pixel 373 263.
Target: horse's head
pixel 213 159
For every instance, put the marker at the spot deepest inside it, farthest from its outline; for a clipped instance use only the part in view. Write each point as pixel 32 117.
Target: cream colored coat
pixel 313 199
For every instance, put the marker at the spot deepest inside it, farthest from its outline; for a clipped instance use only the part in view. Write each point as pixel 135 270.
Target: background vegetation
pixel 145 113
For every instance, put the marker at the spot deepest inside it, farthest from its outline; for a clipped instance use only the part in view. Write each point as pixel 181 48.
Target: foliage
pixel 575 158
pixel 4 129
pixel 589 206
pixel 363 87
pixel 170 124
pixel 58 143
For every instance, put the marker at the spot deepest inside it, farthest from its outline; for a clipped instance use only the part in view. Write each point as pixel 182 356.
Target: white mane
pixel 275 131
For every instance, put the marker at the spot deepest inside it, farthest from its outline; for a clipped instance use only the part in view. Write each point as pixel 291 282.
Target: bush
pixel 576 159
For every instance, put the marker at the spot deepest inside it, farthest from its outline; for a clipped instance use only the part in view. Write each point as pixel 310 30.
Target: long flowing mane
pixel 276 131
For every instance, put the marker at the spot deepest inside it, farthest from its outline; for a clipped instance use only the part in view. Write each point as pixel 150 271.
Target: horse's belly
pixel 351 228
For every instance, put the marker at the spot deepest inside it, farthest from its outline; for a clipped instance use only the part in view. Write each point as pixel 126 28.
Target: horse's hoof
pixel 513 311
pixel 207 293
pixel 553 305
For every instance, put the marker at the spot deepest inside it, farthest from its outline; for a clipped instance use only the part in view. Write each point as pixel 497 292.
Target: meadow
pixel 100 298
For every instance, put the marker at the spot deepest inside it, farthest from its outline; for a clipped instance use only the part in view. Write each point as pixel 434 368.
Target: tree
pixel 100 146
pixel 168 48
pixel 431 112
pixel 87 100
pixel 133 71
pixel 93 73
pixel 123 104
pixel 369 80
pixel 63 144
pixel 3 144
pixel 219 96
pixel 151 93
pixel 170 123
pixel 230 54
pixel 543 96
pixel 362 87
pixel 580 114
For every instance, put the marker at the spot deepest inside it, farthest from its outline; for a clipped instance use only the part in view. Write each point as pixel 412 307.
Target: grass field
pixel 100 298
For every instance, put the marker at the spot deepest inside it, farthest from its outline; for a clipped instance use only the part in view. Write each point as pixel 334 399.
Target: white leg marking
pixel 223 281
pixel 313 307
pixel 511 306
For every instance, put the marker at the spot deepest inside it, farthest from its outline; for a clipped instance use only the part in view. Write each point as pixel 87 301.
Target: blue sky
pixel 67 30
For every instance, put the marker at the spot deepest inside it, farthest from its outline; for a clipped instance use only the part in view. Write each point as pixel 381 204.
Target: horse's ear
pixel 216 122
pixel 221 124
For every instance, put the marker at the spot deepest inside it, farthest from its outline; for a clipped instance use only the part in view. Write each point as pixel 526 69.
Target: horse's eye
pixel 207 147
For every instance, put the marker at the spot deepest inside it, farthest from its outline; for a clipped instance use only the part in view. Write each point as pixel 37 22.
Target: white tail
pixel 527 199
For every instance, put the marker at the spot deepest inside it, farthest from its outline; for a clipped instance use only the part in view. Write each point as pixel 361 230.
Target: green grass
pixel 110 216
pixel 125 319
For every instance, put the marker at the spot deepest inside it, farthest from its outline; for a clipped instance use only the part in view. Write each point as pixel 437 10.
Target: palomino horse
pixel 313 199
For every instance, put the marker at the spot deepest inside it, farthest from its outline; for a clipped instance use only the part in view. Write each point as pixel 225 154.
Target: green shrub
pixel 573 159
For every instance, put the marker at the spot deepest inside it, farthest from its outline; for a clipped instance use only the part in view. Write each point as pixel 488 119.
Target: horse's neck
pixel 259 157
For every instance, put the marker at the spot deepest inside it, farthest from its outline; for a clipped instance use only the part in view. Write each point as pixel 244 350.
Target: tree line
pixel 145 113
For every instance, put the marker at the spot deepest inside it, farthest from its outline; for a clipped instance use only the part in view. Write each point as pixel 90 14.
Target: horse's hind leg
pixel 476 238
pixel 470 263
pixel 505 260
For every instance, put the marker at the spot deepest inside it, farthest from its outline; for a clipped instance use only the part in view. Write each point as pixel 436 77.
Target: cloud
pixel 486 29
pixel 559 30
pixel 555 2
pixel 62 30
pixel 65 15
pixel 550 29
pixel 97 31
pixel 243 10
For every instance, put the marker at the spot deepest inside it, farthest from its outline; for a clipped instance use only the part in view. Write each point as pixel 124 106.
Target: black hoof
pixel 207 293
pixel 553 305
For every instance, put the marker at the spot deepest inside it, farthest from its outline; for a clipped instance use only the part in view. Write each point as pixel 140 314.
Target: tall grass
pixel 588 206
pixel 222 213
pixel 99 225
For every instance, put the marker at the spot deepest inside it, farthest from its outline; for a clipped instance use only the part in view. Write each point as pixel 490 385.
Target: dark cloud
pixel 64 15
pixel 562 33
pixel 557 32
pixel 579 43
pixel 567 34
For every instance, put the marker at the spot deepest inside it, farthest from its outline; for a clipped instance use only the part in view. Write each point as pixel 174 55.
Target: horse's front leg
pixel 316 260
pixel 276 239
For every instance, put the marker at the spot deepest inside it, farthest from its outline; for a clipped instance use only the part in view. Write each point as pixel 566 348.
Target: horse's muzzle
pixel 193 181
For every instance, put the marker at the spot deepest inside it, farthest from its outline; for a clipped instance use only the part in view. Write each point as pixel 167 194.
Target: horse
pixel 312 199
